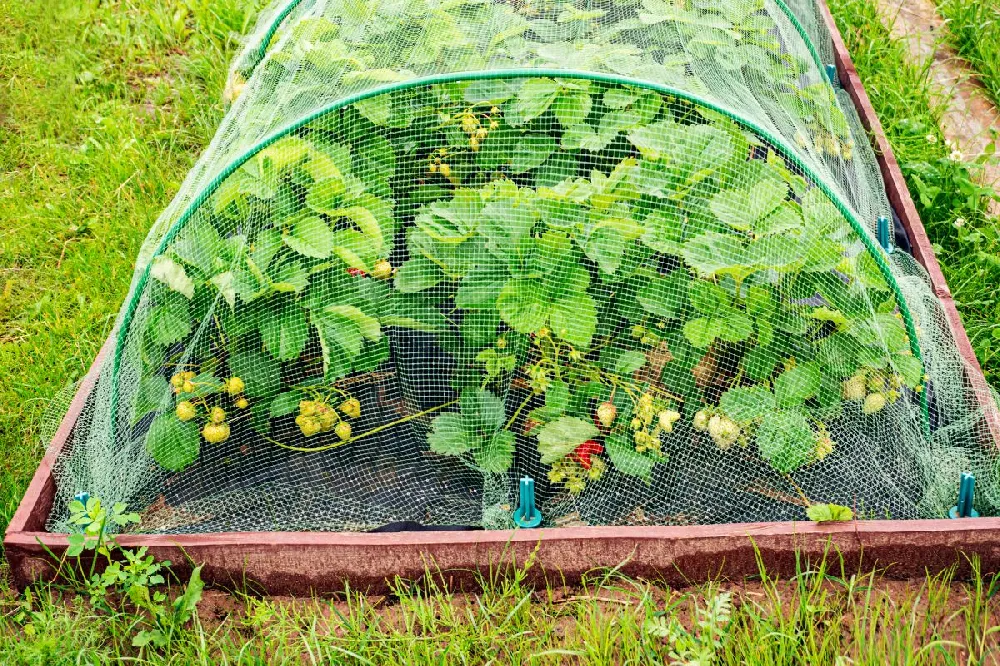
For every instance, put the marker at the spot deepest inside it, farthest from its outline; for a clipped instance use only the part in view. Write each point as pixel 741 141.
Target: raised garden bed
pixel 300 562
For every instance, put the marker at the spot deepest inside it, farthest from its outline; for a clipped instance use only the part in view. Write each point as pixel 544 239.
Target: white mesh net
pixel 624 248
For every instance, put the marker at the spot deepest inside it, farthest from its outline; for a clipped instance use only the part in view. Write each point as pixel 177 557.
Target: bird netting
pixel 625 248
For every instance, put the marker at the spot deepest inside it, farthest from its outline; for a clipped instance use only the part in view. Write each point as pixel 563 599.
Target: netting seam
pixel 261 49
pixel 780 145
pixel 802 33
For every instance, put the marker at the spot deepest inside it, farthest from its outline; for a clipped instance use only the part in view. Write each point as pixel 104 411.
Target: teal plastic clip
pixel 527 514
pixel 884 239
pixel 831 73
pixel 966 493
pixel 82 498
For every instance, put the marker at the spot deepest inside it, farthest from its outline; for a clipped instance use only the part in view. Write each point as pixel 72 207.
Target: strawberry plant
pixel 609 272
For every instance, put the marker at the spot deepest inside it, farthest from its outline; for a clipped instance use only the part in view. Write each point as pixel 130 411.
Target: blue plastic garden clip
pixel 966 493
pixel 527 514
pixel 831 73
pixel 884 239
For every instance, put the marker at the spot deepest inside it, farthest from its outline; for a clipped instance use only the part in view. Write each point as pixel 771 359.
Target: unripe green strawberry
pixel 667 418
pixel 217 415
pixel 234 386
pixel 596 471
pixel 351 407
pixel 606 413
pixel 824 447
pixel 177 380
pixel 723 430
pixel 185 411
pixel 382 270
pixel 242 403
pixel 308 425
pixel 327 418
pixel 216 433
pixel 700 421
pixel 876 383
pixel 187 387
pixel 307 408
pixel 873 403
pixel 343 430
pixel 854 388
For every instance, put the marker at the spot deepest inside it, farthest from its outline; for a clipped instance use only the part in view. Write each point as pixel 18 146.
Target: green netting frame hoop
pixel 261 49
pixel 787 153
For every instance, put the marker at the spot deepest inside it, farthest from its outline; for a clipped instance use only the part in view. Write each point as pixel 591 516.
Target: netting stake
pixel 527 514
pixel 883 234
pixel 831 73
pixel 966 492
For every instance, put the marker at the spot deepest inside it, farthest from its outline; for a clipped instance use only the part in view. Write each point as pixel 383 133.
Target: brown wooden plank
pixel 306 563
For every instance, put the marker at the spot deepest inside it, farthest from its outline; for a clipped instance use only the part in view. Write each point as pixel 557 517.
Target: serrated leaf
pixel 785 440
pixel 285 331
pixel 483 412
pixel 224 283
pixel 291 276
pixel 523 306
pixel 711 253
pixel 418 274
pixel 629 361
pixel 574 319
pixel 285 403
pixel 496 453
pixel 572 107
pixel 701 332
pixel 559 438
pixel 657 140
pixel 367 325
pixel 172 274
pixel 448 435
pixel 172 443
pixel 260 372
pixel 796 385
pixel 743 209
pixel 533 99
pixel 377 109
pixel 824 513
pixel 626 459
pixel 154 393
pixel 170 321
pixel 736 327
pixel 746 403
pixel 909 368
pixel 311 237
pixel 366 223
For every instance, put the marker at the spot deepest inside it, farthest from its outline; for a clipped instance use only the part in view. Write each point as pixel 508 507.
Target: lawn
pixel 103 109
pixel 974 31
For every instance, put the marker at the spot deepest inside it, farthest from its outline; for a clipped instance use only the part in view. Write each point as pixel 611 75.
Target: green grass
pixel 824 615
pixel 952 206
pixel 103 108
pixel 974 31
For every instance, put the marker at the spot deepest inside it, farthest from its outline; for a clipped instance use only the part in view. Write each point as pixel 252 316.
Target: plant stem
pixel 327 447
pixel 517 412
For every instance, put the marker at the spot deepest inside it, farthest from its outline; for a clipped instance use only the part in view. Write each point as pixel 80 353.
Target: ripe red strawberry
pixel 583 452
pixel 356 272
